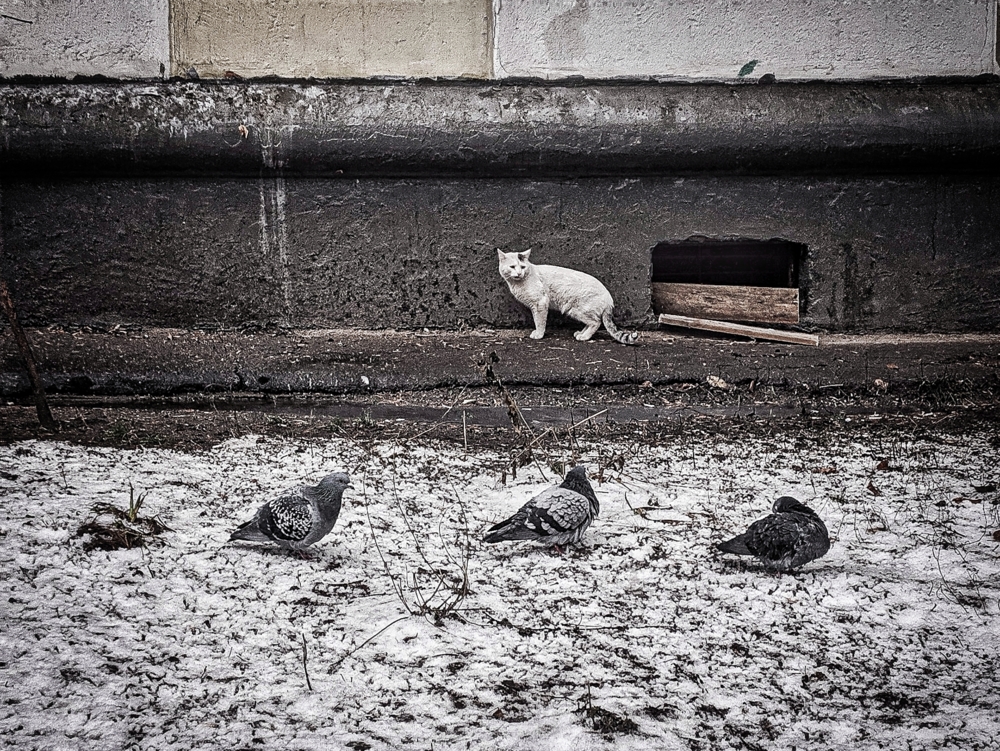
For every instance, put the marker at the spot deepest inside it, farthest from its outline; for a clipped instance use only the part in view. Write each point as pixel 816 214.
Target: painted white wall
pixel 714 39
pixel 66 38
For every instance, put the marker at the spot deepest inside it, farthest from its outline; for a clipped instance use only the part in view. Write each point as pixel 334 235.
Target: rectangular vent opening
pixel 730 280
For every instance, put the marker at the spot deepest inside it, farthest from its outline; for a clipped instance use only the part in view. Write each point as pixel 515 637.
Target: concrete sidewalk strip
pixel 164 362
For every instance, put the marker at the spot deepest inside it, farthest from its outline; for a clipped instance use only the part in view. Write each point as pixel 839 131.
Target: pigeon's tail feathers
pixel 510 529
pixel 508 533
pixel 736 546
pixel 250 532
pixel 625 337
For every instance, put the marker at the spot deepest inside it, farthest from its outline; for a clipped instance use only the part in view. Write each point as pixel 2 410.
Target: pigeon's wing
pixel 552 513
pixel 288 518
pixel 788 540
pixel 774 538
pixel 814 539
pixel 555 511
pixel 327 508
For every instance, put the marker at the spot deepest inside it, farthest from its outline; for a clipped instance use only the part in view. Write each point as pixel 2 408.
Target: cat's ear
pixel 500 254
pixel 524 254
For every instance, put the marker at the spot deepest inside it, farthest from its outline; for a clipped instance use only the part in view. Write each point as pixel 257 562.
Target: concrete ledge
pixel 441 129
pixel 164 362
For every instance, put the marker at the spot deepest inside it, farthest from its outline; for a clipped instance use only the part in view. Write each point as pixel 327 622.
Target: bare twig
pixel 305 667
pixel 525 454
pixel 41 405
pixel 587 419
pixel 445 591
pixel 336 666
pixel 397 588
pixel 516 418
pixel 444 414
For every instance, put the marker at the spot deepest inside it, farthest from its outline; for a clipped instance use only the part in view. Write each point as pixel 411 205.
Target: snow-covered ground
pixel 643 637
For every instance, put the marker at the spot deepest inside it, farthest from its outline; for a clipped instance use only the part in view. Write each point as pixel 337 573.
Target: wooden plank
pixel 727 303
pixel 754 332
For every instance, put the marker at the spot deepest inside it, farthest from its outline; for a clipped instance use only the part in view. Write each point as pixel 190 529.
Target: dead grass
pixel 114 528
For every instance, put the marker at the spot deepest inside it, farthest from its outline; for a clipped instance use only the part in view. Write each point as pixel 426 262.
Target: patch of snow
pixel 193 642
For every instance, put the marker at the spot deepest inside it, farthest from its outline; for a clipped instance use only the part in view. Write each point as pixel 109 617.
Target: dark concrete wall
pixel 175 225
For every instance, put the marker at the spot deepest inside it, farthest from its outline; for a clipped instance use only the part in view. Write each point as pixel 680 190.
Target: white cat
pixel 571 292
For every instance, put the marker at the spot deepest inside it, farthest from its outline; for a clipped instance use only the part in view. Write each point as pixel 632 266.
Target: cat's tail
pixel 625 337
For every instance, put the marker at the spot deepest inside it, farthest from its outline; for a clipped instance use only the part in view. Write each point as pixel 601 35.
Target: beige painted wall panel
pixel 66 38
pixel 714 39
pixel 332 38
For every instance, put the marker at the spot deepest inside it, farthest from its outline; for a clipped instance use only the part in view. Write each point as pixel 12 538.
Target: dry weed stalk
pixel 431 591
pixel 530 442
pixel 485 365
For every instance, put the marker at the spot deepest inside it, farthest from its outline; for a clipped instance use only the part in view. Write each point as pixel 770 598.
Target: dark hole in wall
pixel 749 263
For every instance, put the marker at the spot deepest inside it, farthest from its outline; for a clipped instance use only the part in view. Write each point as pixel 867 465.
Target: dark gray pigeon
pixel 790 537
pixel 558 515
pixel 299 517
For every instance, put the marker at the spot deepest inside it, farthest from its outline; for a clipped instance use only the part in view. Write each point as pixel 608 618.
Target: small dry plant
pixel 114 528
pixel 433 590
pixel 602 720
pixel 532 445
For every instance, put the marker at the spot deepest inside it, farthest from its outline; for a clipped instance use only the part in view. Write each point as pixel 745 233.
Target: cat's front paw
pixel 536 334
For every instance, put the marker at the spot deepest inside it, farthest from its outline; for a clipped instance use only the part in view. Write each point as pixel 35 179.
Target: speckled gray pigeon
pixel 790 537
pixel 558 515
pixel 299 517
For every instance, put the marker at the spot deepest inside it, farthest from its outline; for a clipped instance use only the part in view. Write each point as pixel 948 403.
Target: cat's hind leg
pixel 584 334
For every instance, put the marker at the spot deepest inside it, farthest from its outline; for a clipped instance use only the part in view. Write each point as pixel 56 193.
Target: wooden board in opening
pixel 739 329
pixel 727 303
